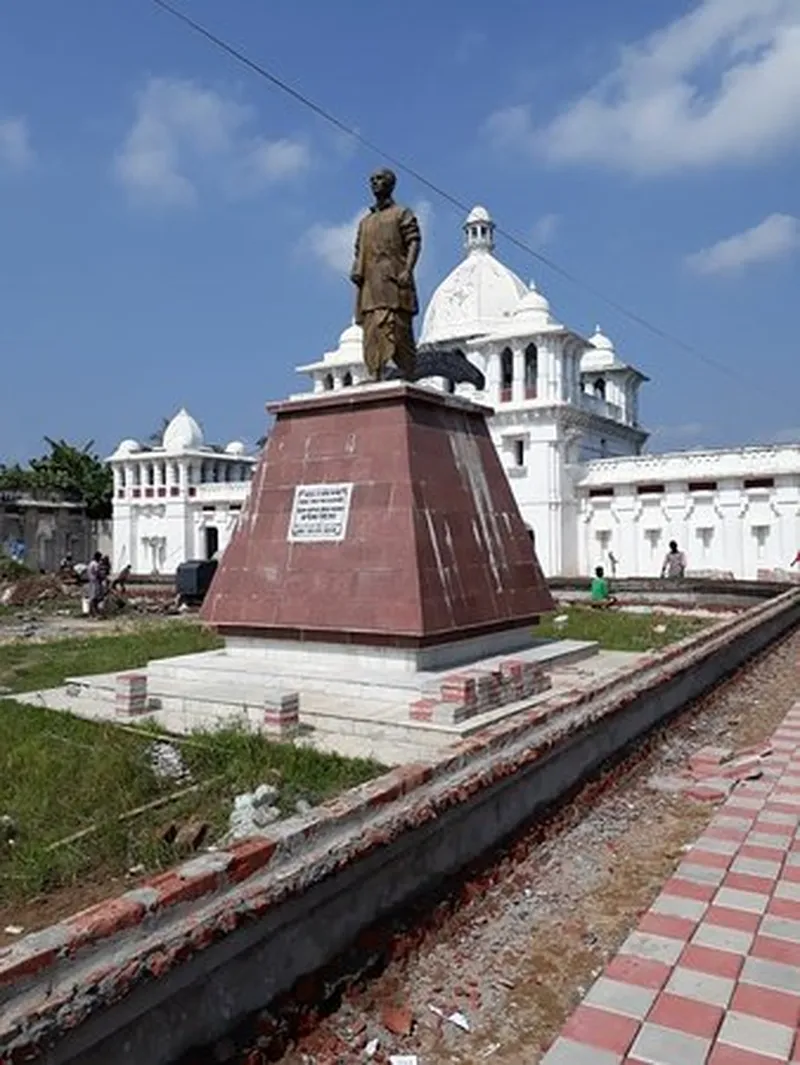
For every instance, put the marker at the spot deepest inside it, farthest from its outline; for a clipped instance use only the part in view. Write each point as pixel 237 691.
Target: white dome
pixel 531 316
pixel 478 214
pixel 182 434
pixel 479 295
pixel 352 337
pixel 235 447
pixel 533 304
pixel 600 341
pixel 600 355
pixel 128 447
pixel 350 351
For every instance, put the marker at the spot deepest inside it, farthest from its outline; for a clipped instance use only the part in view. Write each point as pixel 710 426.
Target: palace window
pixel 760 535
pixel 702 486
pixel 519 452
pixel 506 375
pixel 347 380
pixel 600 388
pixel 327 382
pixel 760 482
pixel 531 371
pixel 650 489
pixel 600 493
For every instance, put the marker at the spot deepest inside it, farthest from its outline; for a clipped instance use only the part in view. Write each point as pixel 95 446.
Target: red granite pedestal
pixel 379 516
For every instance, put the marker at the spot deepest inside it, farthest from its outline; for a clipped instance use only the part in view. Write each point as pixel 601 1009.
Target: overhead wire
pixel 442 193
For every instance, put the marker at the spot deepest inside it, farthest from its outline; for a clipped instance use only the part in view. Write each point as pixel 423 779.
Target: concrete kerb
pixel 66 978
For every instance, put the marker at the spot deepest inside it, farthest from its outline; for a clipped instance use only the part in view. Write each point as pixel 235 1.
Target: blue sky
pixel 173 228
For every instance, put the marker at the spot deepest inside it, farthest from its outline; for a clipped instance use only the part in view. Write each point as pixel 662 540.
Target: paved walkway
pixel 712 974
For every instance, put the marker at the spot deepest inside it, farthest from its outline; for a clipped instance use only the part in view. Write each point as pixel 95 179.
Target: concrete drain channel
pixel 192 959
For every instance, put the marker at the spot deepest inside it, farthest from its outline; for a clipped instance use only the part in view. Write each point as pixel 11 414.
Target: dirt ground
pixel 41 627
pixel 516 945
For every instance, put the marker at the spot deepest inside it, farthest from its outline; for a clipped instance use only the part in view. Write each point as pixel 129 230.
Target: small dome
pixel 600 341
pixel 353 336
pixel 182 434
pixel 533 302
pixel 235 447
pixel 478 214
pixel 128 447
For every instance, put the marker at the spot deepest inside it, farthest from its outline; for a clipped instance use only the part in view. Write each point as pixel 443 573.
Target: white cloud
pixel 332 245
pixel 719 85
pixel 183 131
pixel 775 237
pixel 15 144
pixel 544 229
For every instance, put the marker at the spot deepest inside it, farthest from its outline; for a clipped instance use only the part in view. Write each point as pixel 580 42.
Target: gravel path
pixel 515 944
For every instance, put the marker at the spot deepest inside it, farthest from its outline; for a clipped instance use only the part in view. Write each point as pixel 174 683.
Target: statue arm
pixel 356 272
pixel 412 237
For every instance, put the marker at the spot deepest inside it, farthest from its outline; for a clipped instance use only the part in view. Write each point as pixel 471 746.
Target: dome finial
pixel 479 230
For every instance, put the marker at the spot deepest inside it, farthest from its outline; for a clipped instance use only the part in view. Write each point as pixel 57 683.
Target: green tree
pixel 75 474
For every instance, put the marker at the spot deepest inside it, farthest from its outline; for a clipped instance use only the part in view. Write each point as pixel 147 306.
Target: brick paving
pixel 711 975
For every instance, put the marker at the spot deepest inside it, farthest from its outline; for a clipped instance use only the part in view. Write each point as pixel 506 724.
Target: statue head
pixel 382 183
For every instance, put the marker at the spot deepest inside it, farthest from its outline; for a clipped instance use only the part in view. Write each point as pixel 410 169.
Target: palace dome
pixel 600 341
pixel 235 447
pixel 127 447
pixel 479 295
pixel 182 434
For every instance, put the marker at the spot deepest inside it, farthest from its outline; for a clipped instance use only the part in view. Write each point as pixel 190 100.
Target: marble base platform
pixel 362 712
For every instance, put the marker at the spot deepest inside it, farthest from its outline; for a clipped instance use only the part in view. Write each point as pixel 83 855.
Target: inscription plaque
pixel 319 513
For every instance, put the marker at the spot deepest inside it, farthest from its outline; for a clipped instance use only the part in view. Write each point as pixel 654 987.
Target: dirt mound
pixel 38 588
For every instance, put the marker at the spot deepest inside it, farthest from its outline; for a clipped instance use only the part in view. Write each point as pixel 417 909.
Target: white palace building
pixel 566 426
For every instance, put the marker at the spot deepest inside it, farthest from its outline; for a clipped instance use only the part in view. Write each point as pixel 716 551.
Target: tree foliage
pixel 74 474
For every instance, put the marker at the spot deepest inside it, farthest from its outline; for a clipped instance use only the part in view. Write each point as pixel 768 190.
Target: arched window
pixel 122 478
pixel 506 375
pixel 450 386
pixel 531 371
pixel 328 382
pixel 600 388
pixel 347 380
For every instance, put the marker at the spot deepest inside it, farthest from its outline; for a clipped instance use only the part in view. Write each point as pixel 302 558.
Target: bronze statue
pixel 387 248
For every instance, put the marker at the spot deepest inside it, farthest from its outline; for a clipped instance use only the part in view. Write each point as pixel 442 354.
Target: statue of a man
pixel 387 248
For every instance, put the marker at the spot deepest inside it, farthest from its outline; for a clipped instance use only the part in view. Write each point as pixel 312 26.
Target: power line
pixel 454 201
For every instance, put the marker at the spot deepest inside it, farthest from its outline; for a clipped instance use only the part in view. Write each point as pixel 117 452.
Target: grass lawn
pixel 31 666
pixel 616 630
pixel 60 774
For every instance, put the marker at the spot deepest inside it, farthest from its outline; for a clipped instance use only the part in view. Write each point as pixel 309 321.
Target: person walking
pixel 674 563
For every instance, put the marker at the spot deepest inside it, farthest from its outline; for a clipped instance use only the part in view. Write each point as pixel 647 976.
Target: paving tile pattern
pixel 711 976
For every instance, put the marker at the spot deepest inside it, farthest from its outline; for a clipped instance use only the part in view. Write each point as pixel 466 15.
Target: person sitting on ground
pixel 674 562
pixel 600 595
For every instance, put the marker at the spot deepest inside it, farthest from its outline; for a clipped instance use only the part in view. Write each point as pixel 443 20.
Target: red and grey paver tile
pixel 711 975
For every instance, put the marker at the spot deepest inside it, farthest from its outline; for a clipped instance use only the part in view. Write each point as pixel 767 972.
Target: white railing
pixel 597 405
pixel 219 491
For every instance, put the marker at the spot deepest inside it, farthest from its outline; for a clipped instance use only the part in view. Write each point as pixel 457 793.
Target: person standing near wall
pixel 674 563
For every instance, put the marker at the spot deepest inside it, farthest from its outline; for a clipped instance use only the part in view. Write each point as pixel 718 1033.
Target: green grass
pixel 615 630
pixel 59 774
pixel 31 666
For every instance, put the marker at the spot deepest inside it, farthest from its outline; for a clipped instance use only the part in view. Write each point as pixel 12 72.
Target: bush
pixel 11 570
